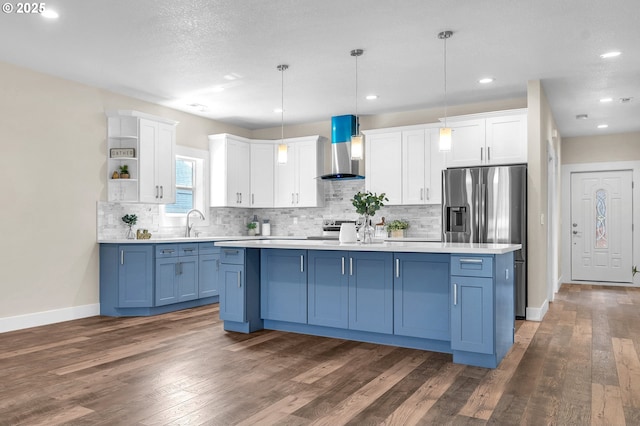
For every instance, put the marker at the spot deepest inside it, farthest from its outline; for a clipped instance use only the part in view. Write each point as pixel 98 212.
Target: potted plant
pixel 367 204
pixel 251 228
pixel 124 171
pixel 397 228
pixel 130 220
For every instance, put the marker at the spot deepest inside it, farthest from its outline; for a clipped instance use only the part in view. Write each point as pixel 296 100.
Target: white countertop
pixel 161 240
pixel 389 246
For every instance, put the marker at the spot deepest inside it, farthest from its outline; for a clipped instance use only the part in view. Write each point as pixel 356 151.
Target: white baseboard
pixel 536 314
pixel 36 319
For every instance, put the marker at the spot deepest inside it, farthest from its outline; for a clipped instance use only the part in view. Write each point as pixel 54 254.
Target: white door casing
pixel 601 226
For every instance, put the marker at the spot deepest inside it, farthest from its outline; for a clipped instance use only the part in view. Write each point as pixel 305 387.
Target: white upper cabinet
pixel 296 181
pixel 383 164
pixel 145 144
pixel 488 139
pixel 422 165
pixel 230 167
pixel 262 173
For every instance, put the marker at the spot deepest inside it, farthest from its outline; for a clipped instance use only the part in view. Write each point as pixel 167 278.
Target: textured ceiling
pixel 178 53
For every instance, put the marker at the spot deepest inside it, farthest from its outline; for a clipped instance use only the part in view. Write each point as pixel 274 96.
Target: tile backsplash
pixel 424 221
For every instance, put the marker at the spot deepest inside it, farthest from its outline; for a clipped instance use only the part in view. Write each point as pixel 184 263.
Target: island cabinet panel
pixel 208 270
pixel 135 276
pixel 328 287
pixel 240 289
pixel 421 296
pixel 472 309
pixel 371 291
pixel 283 290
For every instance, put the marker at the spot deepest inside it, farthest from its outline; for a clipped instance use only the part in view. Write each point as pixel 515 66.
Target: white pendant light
pixel 357 140
pixel 445 132
pixel 282 147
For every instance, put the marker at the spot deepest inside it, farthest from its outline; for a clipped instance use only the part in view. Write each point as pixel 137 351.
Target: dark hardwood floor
pixel 579 366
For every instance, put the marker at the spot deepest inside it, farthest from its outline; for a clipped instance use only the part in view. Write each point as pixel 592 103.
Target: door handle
pixel 455 294
pixel 421 192
pixel 301 263
pixel 292 199
pixel 253 199
pixel 481 153
pixel 488 153
pixel 297 198
pixel 351 266
pixel 428 194
pixel 122 257
pixel 239 280
pixel 342 265
pixel 397 268
pixel 161 191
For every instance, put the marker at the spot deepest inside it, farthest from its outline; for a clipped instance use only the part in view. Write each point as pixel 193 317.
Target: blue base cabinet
pixel 371 291
pixel 482 308
pixel 328 288
pixel 208 270
pixel 283 289
pixel 240 290
pixel 149 279
pixel 421 296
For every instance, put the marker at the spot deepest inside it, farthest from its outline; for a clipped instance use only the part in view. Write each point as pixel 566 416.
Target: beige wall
pixel 604 148
pixel 52 173
pixel 541 129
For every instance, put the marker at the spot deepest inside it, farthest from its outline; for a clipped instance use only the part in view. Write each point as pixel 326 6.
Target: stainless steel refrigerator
pixel 489 205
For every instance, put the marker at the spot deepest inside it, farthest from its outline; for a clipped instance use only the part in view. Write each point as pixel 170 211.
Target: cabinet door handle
pixel 161 191
pixel 239 280
pixel 217 265
pixel 292 199
pixel 178 268
pixel 421 193
pixel 351 266
pixel 241 198
pixel 488 153
pixel 297 198
pixel 342 265
pixel 476 261
pixel 157 191
pixel 301 263
pixel 397 268
pixel 253 199
pixel 481 152
pixel 455 294
pixel 122 257
pixel 428 194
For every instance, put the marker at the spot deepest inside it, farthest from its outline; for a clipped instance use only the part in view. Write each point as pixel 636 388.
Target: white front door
pixel 601 226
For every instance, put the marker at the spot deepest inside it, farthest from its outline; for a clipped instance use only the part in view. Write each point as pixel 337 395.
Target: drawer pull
pixel 167 251
pixel 231 251
pixel 476 261
pixel 188 249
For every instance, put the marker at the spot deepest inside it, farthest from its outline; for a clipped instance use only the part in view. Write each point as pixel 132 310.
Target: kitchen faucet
pixel 187 232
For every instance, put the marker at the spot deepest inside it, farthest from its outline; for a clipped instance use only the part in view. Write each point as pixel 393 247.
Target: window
pixel 185 186
pixel 191 187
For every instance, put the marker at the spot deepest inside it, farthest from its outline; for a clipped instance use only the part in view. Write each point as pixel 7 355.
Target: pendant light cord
pixel 282 68
pixel 445 81
pixel 357 118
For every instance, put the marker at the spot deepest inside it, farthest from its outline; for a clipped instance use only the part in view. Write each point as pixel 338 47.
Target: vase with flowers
pixel 367 204
pixel 130 220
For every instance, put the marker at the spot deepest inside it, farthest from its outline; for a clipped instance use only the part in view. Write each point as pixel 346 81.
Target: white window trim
pixel 201 201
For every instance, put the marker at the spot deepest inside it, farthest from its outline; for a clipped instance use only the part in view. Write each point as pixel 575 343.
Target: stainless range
pixel 330 229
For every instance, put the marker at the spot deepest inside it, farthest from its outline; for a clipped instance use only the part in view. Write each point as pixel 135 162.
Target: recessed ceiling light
pixel 602 126
pixel 50 14
pixel 486 80
pixel 605 100
pixel 278 110
pixel 199 107
pixel 582 117
pixel 372 97
pixel 610 55
pixel 625 100
pixel 232 76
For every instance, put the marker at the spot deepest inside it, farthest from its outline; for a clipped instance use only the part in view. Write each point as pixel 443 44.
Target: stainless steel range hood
pixel 342 166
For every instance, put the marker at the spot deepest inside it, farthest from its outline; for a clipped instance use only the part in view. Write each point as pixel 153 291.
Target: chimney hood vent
pixel 342 166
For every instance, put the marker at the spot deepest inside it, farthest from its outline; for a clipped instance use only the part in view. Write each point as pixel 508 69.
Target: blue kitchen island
pixel 446 297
